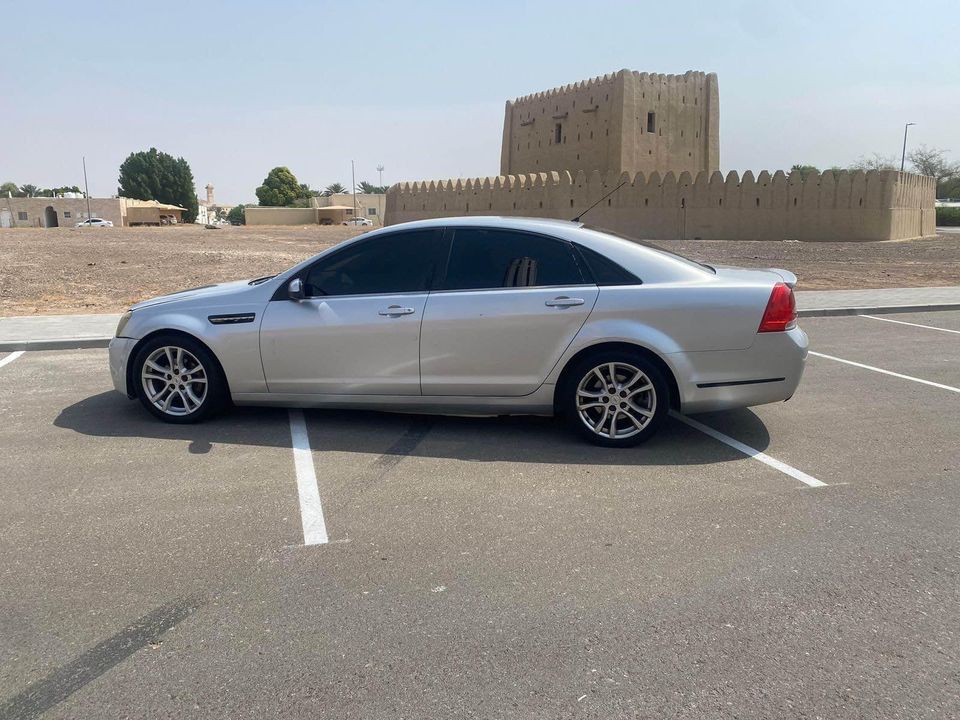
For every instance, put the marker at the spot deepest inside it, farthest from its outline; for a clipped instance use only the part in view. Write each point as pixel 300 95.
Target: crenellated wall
pixel 874 205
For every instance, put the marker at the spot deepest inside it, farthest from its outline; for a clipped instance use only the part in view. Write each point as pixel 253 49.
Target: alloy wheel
pixel 174 381
pixel 616 400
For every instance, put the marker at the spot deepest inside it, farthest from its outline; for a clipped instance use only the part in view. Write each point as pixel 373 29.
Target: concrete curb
pixel 55 344
pixel 876 310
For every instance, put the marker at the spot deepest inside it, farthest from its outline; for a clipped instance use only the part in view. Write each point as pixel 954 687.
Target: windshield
pixel 651 246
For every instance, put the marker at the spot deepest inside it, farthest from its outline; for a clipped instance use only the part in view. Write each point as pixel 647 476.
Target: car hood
pixel 220 289
pixel 731 271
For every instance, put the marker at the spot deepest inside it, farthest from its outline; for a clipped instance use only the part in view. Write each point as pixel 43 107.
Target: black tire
pixel 628 412
pixel 182 409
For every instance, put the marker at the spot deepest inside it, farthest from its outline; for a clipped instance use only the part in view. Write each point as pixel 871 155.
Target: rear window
pixel 604 270
pixel 651 246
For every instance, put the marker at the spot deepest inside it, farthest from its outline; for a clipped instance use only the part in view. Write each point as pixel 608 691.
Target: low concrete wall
pixel 280 216
pixel 874 205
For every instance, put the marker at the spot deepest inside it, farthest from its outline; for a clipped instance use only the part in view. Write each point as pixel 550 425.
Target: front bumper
pixel 119 350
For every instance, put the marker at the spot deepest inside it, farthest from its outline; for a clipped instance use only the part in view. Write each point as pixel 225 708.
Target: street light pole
pixel 903 156
pixel 380 170
pixel 86 187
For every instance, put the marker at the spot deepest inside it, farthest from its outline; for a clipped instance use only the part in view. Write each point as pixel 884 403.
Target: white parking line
pixel 11 357
pixel 750 452
pixel 888 372
pixel 311 511
pixel 902 322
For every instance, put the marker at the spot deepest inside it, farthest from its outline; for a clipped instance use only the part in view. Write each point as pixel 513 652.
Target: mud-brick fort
pixel 659 135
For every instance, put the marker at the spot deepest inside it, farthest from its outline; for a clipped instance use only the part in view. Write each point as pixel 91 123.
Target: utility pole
pixel 903 156
pixel 86 187
pixel 380 170
pixel 353 178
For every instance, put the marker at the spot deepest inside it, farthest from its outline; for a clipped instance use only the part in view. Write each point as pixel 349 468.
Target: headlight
pixel 124 319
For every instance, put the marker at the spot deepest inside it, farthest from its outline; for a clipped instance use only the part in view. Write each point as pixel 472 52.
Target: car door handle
pixel 397 310
pixel 564 301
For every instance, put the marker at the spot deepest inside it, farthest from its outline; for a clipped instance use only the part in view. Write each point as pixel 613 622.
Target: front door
pixel 510 304
pixel 357 331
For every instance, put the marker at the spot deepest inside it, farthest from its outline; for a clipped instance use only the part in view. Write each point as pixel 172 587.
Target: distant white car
pixel 95 222
pixel 357 221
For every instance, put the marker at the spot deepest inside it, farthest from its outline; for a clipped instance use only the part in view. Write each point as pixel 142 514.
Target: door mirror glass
pixel 295 289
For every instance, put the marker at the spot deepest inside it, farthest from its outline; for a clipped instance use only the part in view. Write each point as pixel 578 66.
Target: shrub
pixel 948 216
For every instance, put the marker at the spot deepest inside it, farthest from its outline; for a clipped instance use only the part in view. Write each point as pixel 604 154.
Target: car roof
pixel 500 221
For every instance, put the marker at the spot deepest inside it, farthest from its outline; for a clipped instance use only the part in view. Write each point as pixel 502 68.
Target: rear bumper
pixel 119 350
pixel 768 371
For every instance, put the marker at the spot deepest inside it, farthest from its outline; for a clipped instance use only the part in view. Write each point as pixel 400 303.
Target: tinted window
pixel 395 263
pixel 481 259
pixel 606 271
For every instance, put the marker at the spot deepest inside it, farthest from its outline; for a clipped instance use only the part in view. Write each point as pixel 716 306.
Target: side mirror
pixel 295 289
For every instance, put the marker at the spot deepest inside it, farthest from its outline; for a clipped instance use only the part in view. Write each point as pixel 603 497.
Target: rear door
pixel 508 306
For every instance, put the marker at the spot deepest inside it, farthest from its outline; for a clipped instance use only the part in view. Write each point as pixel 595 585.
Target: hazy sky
pixel 237 88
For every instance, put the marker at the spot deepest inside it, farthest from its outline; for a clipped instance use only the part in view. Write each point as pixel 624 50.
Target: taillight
pixel 781 312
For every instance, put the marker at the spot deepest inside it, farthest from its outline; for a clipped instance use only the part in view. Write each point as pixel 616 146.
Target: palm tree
pixel 333 189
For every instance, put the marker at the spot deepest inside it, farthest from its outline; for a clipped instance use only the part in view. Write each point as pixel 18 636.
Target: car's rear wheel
pixel 614 398
pixel 178 380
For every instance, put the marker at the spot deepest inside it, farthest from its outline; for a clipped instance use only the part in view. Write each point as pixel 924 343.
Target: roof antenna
pixel 577 218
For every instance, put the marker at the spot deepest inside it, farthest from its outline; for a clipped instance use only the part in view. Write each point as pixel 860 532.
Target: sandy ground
pixel 67 270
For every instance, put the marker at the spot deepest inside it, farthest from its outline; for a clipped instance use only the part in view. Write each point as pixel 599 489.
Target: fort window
pixel 861 202
pixel 721 202
pixel 758 202
pixel 67 213
pixel 21 216
pixel 557 133
pixel 571 202
pixel 794 202
pixel 541 203
pixel 609 202
pixel 651 122
pixel 646 201
pixel 683 202
pixel 468 208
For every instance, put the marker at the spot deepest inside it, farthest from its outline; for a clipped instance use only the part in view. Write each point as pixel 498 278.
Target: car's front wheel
pixel 614 398
pixel 178 380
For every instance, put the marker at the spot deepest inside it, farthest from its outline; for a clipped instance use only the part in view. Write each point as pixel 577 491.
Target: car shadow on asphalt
pixel 388 437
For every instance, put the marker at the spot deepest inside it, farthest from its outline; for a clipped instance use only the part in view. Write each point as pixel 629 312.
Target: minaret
pixel 209 195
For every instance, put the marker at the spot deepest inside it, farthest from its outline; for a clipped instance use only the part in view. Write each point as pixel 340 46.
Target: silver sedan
pixel 480 315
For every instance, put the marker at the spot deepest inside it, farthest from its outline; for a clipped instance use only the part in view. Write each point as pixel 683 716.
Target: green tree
pixel 334 189
pixel 65 189
pixel 369 188
pixel 9 189
pixel 29 190
pixel 280 188
pixel 804 170
pixel 236 215
pixel 153 175
pixel 933 162
pixel 876 161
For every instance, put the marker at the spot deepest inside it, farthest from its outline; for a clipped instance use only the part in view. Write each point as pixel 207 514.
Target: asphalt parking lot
pixel 364 565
